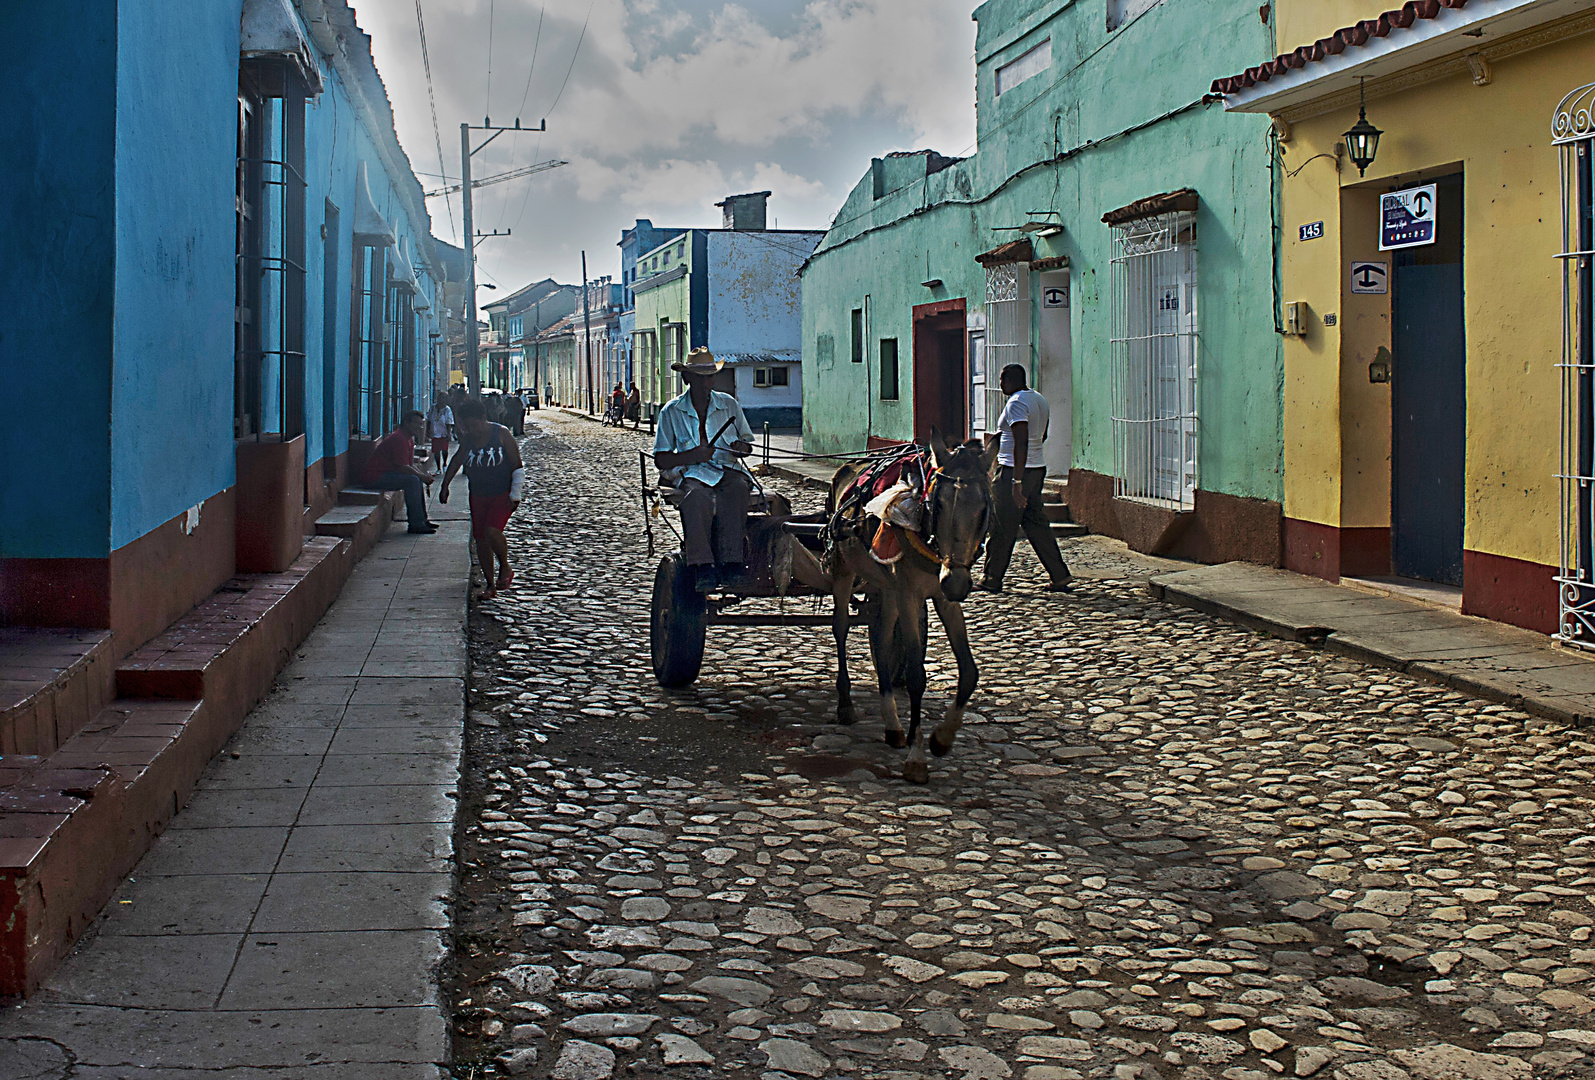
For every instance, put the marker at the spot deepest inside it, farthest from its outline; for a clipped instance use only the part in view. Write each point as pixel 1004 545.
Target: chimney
pixel 744 213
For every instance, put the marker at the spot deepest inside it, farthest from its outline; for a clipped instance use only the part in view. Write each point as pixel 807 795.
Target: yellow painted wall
pixel 1336 424
pixel 1302 22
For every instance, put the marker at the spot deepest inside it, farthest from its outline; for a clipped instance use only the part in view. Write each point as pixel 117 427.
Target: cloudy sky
pixel 666 107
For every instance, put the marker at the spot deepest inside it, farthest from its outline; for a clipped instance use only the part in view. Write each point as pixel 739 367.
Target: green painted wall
pixel 670 301
pixel 1118 116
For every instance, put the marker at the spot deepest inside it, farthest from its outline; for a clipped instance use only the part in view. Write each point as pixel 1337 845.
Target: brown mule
pixel 959 510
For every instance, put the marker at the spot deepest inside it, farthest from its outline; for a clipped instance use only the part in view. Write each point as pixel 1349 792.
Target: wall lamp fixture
pixel 1362 140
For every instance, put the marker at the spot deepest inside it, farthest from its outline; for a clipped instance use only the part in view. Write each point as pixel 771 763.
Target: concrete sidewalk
pixel 291 921
pixel 1492 660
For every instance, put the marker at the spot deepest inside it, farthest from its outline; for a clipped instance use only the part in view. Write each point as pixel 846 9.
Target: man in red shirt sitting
pixel 391 467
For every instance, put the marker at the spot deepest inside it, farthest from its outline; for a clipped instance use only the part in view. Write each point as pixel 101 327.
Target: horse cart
pixel 684 608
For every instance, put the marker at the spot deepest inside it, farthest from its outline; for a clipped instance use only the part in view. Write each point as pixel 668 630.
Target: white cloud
pixel 673 104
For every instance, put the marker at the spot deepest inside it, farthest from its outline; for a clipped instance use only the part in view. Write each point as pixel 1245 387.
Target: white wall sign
pixel 1055 296
pixel 1406 218
pixel 1370 277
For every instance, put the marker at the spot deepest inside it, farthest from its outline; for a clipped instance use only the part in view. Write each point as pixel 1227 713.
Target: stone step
pixel 1056 511
pixel 74 823
pixel 52 682
pixel 1066 529
pixel 361 517
pixel 229 646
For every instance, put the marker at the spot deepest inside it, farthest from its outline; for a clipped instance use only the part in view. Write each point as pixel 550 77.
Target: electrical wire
pixel 437 134
pixel 515 149
pixel 488 110
pixel 574 54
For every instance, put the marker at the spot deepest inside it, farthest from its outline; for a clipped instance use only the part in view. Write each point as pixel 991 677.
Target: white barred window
pixel 1154 359
pixel 1007 341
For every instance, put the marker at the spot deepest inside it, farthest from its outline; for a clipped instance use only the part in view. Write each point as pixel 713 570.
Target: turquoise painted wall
pixel 58 217
pixel 1117 116
pixel 173 328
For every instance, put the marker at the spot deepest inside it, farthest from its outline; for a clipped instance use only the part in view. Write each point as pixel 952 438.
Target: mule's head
pixel 960 506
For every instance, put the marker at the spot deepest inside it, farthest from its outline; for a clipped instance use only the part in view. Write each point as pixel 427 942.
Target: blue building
pixel 642 236
pixel 736 291
pixel 220 284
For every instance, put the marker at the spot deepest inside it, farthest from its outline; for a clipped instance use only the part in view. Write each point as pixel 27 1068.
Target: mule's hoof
pixel 916 772
pixel 899 739
pixel 844 714
pixel 939 748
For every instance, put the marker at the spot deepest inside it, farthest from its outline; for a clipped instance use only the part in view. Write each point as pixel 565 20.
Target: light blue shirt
pixel 677 431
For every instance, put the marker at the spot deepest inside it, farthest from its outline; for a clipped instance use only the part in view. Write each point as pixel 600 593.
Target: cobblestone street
pixel 1162 845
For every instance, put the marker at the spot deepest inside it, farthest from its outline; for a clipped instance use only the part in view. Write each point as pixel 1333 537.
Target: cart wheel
pixel 676 628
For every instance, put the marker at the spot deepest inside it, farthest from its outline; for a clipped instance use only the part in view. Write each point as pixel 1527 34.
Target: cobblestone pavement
pixel 1162 846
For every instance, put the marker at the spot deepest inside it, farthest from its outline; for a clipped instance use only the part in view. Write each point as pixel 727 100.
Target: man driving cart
pixel 700 439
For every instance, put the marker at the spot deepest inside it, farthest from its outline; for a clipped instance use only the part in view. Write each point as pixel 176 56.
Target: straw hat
pixel 700 361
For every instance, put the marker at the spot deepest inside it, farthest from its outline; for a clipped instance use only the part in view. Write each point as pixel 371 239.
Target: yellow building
pixel 1421 296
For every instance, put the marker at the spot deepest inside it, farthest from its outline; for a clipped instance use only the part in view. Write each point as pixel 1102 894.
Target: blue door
pixel 1429 404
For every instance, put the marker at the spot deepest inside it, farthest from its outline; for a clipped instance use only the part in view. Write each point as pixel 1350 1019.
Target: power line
pixel 488 110
pixel 437 136
pixel 515 151
pixel 574 54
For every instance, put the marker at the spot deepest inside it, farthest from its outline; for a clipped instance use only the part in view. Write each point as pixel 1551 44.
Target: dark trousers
pixel 702 506
pixel 1032 519
pixel 414 494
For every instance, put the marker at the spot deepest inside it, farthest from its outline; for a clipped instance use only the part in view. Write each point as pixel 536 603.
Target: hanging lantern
pixel 1362 141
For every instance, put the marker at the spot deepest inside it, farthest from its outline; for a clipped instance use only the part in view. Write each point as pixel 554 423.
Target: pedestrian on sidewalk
pixel 440 425
pixel 391 467
pixel 492 463
pixel 1017 491
pixel 634 407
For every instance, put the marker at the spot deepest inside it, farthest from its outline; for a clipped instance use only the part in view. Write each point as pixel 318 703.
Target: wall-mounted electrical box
pixel 1296 315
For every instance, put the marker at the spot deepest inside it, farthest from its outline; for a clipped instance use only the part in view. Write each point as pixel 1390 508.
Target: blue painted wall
pixel 176 141
pixel 116 286
pixel 57 217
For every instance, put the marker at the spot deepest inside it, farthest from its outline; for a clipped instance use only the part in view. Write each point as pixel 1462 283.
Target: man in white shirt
pixel 698 444
pixel 440 425
pixel 1017 489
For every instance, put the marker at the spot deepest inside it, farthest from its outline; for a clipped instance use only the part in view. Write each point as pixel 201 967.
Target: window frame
pixel 887 352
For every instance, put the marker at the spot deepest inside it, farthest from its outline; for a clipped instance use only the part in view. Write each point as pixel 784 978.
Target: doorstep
pixel 74 822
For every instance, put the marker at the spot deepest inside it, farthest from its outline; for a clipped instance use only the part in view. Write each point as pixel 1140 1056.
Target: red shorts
pixel 490 513
pixel 440 446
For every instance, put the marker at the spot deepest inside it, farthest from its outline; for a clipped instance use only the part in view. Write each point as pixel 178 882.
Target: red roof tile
pixel 1400 18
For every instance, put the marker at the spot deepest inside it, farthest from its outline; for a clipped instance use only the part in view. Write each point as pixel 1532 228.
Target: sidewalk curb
pixel 813 483
pixel 1501 690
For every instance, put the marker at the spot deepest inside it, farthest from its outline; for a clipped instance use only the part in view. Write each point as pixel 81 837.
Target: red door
pixel 941 372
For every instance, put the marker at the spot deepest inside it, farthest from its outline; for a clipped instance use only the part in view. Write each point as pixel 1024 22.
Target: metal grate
pixel 1154 354
pixel 1573 131
pixel 1007 342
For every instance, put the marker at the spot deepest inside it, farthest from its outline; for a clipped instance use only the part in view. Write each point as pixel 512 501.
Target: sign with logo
pixel 1054 296
pixel 1406 218
pixel 1370 277
pixel 1312 230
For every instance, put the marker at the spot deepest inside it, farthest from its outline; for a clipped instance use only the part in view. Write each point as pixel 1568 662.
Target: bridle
pixel 931 550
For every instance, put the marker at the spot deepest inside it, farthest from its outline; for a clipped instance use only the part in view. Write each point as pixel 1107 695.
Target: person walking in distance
pixel 391 467
pixel 1017 490
pixel 440 426
pixel 492 463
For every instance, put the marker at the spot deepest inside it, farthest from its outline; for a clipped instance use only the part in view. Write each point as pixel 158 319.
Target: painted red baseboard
pixel 1509 590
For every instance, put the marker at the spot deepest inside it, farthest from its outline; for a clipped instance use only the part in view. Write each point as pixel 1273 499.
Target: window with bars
pixel 1007 341
pixel 1154 359
pixel 368 332
pixel 269 267
pixel 1573 131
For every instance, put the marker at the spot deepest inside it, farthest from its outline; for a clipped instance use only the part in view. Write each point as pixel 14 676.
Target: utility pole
pixel 587 333
pixel 473 344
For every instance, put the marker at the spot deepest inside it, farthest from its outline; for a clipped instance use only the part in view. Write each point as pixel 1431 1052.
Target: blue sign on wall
pixel 1406 218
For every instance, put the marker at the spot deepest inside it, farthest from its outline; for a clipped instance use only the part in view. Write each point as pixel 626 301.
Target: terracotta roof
pixel 1166 203
pixel 1012 252
pixel 1356 34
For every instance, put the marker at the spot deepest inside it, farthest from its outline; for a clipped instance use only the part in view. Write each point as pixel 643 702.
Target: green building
pixel 1114 234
